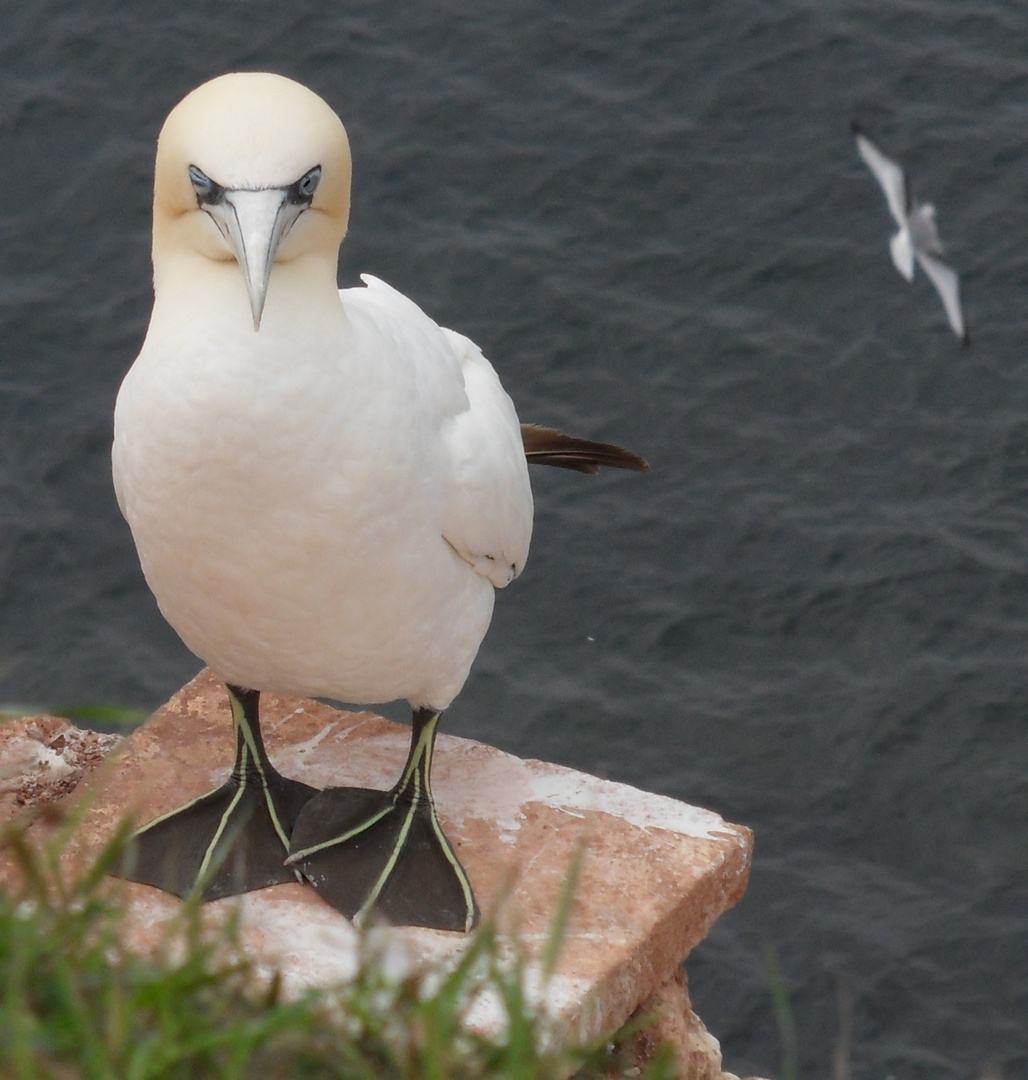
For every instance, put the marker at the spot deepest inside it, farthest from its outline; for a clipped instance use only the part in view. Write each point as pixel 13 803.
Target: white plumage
pixel 325 488
pixel 918 235
pixel 323 507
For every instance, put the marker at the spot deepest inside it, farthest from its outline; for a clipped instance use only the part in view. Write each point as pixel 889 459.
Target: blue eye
pixel 309 183
pixel 208 193
pixel 303 190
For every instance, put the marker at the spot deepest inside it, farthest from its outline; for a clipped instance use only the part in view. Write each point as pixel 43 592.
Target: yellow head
pixel 255 168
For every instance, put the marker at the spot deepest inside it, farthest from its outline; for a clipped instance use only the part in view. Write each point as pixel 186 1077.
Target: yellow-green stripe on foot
pixel 231 840
pixel 385 852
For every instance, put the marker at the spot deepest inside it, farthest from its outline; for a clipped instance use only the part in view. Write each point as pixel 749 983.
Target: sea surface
pixel 813 615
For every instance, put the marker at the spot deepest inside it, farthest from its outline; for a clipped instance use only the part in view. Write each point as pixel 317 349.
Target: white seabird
pixel 918 236
pixel 325 489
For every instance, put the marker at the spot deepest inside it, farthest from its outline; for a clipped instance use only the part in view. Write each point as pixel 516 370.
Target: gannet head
pixel 252 167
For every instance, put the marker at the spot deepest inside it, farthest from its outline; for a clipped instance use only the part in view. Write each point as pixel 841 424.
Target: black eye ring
pixel 208 192
pixel 303 190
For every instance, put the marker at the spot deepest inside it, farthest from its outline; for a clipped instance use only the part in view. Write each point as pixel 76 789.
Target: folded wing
pixel 487 518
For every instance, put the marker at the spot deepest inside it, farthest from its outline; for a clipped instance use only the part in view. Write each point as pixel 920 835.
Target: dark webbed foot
pixel 233 839
pixel 385 851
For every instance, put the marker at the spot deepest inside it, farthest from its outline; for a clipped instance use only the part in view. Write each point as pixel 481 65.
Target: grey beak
pixel 255 223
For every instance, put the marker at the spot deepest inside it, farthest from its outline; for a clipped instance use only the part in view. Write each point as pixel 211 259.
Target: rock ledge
pixel 655 874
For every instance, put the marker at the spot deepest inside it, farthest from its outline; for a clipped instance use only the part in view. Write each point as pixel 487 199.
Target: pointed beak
pixel 255 223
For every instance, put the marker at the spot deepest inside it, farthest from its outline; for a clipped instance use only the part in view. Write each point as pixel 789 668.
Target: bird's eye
pixel 208 192
pixel 303 190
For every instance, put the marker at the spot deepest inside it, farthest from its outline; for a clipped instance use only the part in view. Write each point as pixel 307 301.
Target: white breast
pixel 304 512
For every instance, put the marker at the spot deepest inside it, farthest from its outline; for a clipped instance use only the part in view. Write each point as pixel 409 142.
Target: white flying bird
pixel 918 237
pixel 325 489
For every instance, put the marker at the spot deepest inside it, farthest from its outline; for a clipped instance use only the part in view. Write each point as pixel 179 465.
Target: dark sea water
pixel 813 615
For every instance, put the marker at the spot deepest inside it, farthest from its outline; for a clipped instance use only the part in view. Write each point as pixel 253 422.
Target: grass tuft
pixel 75 1004
pixel 784 1018
pixel 98 717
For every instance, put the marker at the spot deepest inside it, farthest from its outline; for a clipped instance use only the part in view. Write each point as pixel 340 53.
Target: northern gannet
pixel 325 489
pixel 918 236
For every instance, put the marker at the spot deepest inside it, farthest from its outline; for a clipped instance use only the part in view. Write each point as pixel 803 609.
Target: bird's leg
pixel 385 851
pixel 233 839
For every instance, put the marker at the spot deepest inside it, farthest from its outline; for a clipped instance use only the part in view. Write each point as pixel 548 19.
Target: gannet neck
pixel 196 297
pixel 253 169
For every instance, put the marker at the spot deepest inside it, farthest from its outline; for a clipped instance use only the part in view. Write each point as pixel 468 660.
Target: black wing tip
pixel 634 463
pixel 590 461
pixel 857 128
pixel 550 446
pixel 561 461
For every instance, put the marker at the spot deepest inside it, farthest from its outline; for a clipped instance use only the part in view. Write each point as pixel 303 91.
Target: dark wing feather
pixel 548 446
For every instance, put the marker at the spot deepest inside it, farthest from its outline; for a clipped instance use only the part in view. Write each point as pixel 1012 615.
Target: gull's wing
pixel 487 517
pixel 902 251
pixel 886 172
pixel 548 446
pixel 945 280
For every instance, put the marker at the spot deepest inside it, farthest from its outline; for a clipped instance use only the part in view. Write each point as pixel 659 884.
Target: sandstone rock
pixel 43 759
pixel 654 875
pixel 697 1052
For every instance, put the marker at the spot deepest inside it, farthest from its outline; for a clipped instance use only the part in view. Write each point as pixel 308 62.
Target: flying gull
pixel 918 237
pixel 325 489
